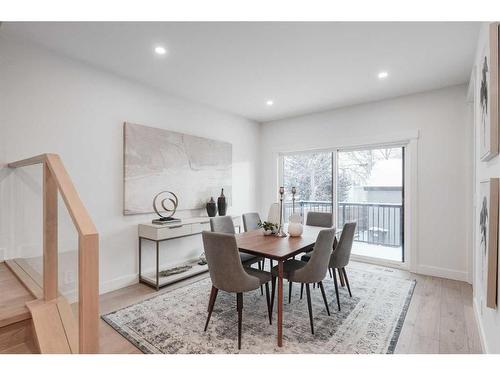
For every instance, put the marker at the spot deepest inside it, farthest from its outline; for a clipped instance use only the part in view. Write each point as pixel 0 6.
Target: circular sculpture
pixel 160 202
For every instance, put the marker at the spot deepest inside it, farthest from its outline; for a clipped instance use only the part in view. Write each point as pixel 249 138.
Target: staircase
pixel 16 334
pixel 34 317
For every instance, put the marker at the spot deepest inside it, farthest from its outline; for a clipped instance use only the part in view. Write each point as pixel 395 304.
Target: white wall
pixel 443 197
pixel 53 104
pixel 489 319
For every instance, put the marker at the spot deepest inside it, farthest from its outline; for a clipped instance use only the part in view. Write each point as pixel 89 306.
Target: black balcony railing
pixel 377 223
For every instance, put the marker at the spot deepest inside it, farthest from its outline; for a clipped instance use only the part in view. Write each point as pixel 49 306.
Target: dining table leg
pixel 280 303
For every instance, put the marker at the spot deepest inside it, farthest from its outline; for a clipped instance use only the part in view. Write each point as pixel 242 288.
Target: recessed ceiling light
pixel 383 75
pixel 269 103
pixel 159 50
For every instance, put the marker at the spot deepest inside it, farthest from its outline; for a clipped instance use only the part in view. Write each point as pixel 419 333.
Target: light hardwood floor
pixel 440 318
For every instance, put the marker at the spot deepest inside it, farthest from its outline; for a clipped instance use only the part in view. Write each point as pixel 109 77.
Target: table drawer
pixel 174 231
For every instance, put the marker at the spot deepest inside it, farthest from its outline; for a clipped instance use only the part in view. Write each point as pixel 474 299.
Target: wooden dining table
pixel 280 249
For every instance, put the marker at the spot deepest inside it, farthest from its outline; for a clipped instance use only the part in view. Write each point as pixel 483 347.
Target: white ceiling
pixel 303 67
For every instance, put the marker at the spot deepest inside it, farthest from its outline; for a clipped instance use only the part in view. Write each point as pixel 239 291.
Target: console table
pixel 158 233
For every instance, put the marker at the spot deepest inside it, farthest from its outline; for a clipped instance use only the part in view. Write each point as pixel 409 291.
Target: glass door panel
pixel 370 191
pixel 311 175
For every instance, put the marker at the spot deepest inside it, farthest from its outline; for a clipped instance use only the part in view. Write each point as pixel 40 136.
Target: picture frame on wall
pixel 155 159
pixel 488 96
pixel 488 237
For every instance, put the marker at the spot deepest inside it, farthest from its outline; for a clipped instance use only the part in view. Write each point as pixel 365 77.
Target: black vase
pixel 211 208
pixel 221 204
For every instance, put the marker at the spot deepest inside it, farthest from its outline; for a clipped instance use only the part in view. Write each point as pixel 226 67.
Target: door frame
pixel 410 215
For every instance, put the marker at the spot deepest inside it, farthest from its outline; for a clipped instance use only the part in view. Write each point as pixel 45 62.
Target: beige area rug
pixel 369 322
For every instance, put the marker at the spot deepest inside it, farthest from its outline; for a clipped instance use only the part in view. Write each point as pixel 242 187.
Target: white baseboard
pixel 379 262
pixel 443 272
pixel 479 322
pixel 118 283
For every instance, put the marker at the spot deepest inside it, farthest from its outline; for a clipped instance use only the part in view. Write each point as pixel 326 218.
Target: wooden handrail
pixel 56 179
pixel 39 159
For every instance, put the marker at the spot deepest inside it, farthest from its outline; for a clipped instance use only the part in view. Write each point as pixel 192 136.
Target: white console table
pixel 159 233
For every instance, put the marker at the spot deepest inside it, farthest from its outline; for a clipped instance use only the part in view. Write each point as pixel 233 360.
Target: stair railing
pixel 56 180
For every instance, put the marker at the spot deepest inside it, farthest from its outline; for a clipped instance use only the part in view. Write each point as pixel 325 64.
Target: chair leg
pixel 347 281
pixel 324 297
pixel 269 308
pixel 259 265
pixel 211 303
pixel 239 307
pixel 330 272
pixel 273 291
pixel 341 277
pixel 301 290
pixel 308 294
pixel 336 288
pixel 270 264
pixel 289 291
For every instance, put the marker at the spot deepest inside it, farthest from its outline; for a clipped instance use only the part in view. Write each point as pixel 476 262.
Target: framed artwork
pixel 194 168
pixel 488 237
pixel 488 96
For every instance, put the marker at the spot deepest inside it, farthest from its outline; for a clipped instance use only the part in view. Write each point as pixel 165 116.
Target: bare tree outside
pixel 311 173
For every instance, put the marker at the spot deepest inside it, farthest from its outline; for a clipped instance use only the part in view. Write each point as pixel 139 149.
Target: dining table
pixel 280 249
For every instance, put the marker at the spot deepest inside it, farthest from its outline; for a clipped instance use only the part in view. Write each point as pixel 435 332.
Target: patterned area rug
pixel 369 322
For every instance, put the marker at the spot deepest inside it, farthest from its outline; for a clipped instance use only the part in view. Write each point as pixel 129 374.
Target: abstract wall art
pixel 488 106
pixel 488 237
pixel 194 168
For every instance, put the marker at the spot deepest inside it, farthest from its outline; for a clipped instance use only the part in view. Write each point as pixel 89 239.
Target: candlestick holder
pixel 294 190
pixel 281 231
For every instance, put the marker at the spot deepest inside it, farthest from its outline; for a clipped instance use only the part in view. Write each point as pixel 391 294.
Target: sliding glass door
pixel 370 191
pixel 362 185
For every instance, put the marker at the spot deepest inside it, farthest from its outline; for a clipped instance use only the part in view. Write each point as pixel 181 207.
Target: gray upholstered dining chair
pixel 340 257
pixel 319 219
pixel 251 221
pixel 228 274
pixel 224 224
pixel 310 272
pixel 315 219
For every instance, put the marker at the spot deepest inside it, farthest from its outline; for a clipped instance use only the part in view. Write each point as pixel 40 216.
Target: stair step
pixel 22 348
pixel 15 314
pixel 55 326
pixel 13 298
pixel 16 336
pixel 30 280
